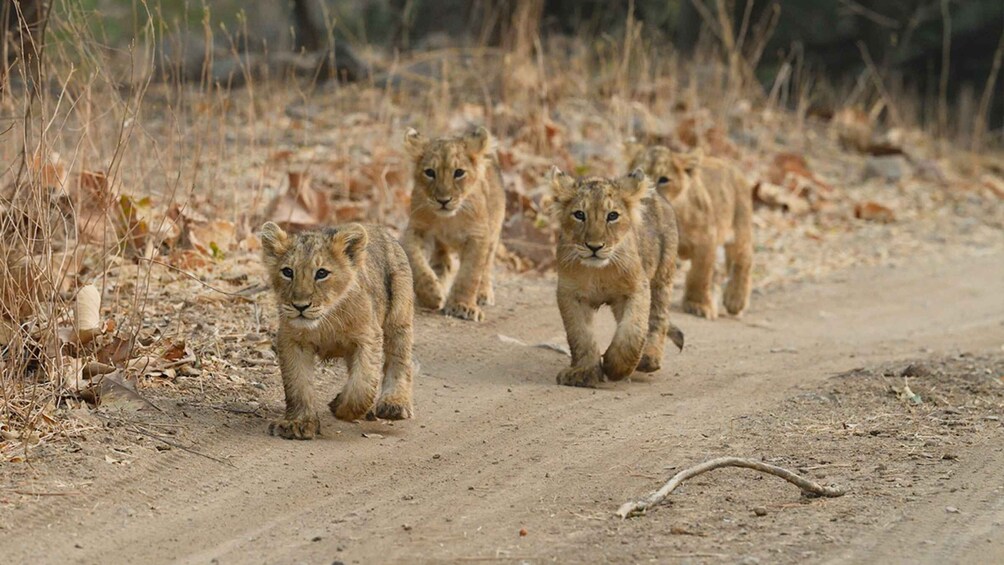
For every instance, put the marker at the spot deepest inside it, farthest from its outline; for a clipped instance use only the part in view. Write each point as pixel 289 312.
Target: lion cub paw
pixel 649 364
pixel 486 297
pixel 464 312
pixel 306 427
pixel 430 296
pixel 735 303
pixel 702 309
pixel 392 410
pixel 581 376
pixel 346 411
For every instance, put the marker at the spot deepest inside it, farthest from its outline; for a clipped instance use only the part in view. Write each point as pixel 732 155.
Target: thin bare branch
pixel 640 506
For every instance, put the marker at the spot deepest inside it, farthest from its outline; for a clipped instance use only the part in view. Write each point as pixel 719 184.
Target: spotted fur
pixel 714 206
pixel 616 246
pixel 341 292
pixel 457 207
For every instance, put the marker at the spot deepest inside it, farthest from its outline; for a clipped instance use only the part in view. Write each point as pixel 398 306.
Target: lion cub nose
pixel 594 248
pixel 444 201
pixel 301 308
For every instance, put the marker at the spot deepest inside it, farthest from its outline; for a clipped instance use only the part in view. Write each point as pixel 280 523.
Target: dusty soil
pixel 884 380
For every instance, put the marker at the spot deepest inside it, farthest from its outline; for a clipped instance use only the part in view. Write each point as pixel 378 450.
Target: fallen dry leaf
pixel 301 206
pixel 215 238
pixel 874 212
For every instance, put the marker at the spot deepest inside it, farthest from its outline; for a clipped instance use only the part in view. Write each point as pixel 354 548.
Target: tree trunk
pixel 312 35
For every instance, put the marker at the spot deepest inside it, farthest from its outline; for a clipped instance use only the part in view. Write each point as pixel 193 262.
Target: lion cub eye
pixel 459 174
pixel 579 215
pixel 287 272
pixel 321 274
pixel 663 180
pixel 612 216
pixel 430 173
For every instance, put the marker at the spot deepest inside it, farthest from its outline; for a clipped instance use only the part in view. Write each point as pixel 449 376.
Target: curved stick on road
pixel 640 506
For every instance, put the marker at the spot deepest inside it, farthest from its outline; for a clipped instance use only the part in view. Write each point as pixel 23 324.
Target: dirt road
pixel 498 448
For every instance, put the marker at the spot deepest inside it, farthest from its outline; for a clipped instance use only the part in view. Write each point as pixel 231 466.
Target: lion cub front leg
pixel 659 326
pixel 739 258
pixel 360 391
pixel 577 317
pixel 486 295
pixel 442 262
pixel 621 358
pixel 297 366
pixel 428 290
pixel 463 300
pixel 697 298
pixel 395 392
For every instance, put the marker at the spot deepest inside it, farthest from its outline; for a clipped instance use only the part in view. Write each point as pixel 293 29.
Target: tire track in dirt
pixel 514 450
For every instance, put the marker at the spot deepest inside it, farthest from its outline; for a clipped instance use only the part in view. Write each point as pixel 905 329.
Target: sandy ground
pixel 501 465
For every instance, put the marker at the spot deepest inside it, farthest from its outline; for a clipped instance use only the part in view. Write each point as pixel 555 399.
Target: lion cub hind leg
pixel 360 391
pixel 739 258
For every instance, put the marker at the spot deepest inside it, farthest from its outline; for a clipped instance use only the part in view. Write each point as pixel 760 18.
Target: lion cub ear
pixel 414 143
pixel 274 241
pixel 562 185
pixel 478 142
pixel 688 162
pixel 351 240
pixel 635 185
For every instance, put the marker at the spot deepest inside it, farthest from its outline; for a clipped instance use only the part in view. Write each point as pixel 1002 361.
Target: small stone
pixel 407 527
pixel 890 168
pixel 760 510
pixel 916 370
pixel 951 510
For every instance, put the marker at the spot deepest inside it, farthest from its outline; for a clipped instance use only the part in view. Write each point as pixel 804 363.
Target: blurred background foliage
pixel 905 39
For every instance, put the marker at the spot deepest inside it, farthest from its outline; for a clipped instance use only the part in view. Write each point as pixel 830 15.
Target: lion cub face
pixel 595 215
pixel 311 272
pixel 670 171
pixel 446 169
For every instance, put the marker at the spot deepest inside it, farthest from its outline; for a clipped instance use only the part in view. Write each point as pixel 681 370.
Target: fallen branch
pixel 640 506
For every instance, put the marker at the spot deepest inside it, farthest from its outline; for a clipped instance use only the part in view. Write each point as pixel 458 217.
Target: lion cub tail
pixel 675 335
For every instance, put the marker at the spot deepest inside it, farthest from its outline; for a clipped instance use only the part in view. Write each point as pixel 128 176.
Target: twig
pixel 875 17
pixel 946 53
pixel 982 114
pixel 179 446
pixel 193 277
pixel 877 80
pixel 640 506
pixel 34 493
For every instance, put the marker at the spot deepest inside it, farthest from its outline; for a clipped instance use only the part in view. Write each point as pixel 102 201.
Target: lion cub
pixel 714 205
pixel 616 245
pixel 457 205
pixel 341 292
